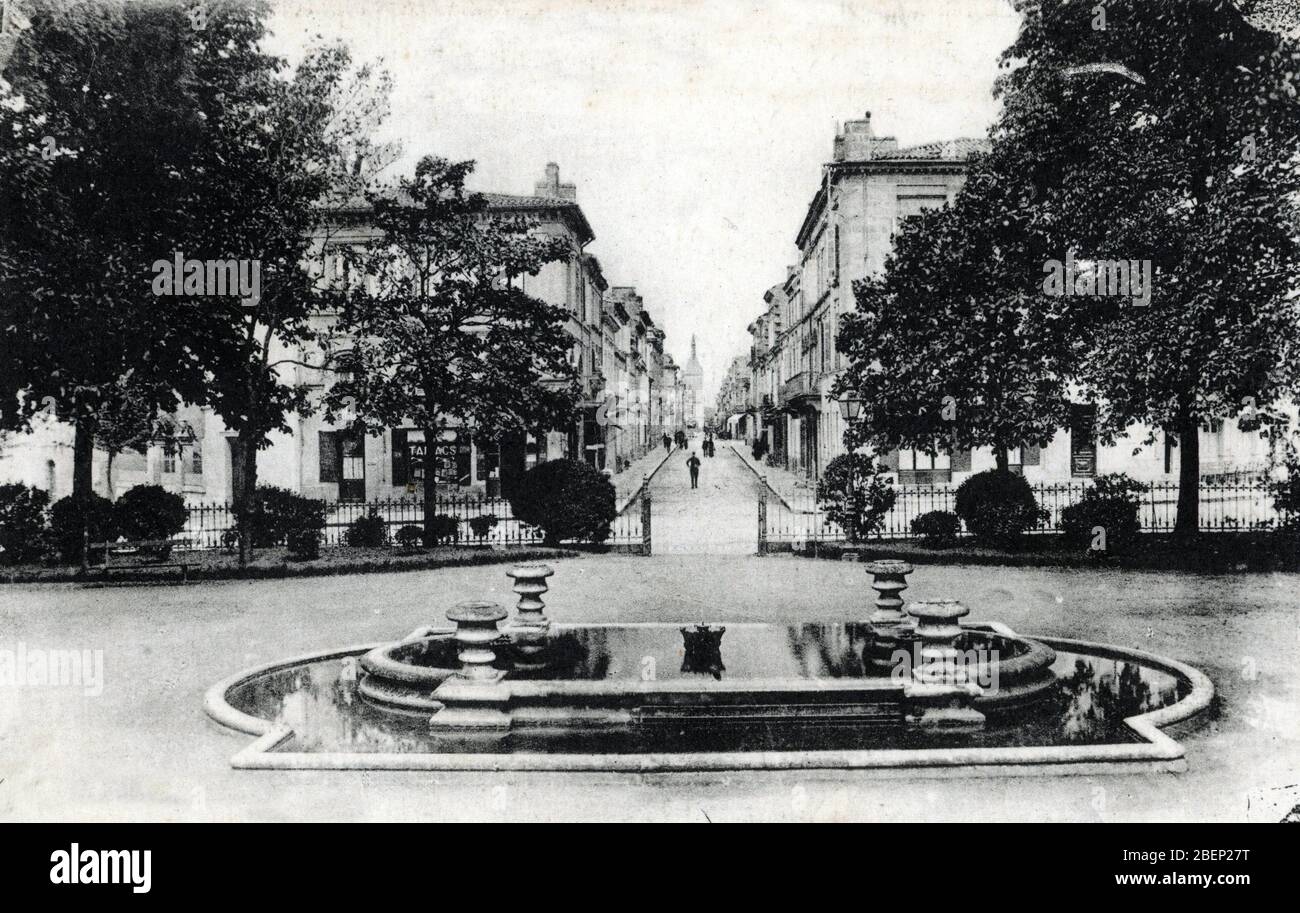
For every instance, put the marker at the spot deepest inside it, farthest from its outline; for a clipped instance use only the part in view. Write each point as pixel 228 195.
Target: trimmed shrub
pixel 24 522
pixel 304 541
pixel 937 529
pixel 23 532
pixel 278 512
pixel 855 495
pixel 567 499
pixel 410 536
pixel 1111 504
pixel 370 531
pixel 998 507
pixel 446 530
pixel 66 523
pixel 483 524
pixel 151 512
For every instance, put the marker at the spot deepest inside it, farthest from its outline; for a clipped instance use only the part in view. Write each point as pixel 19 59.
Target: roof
pixel 512 202
pixel 944 155
pixel 502 202
pixel 948 150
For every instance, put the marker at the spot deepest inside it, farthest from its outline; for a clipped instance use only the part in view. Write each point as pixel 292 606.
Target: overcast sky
pixel 694 129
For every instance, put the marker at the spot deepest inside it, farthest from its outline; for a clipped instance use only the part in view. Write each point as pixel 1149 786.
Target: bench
pixel 134 547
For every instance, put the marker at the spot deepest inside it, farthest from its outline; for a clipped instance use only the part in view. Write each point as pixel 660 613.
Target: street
pixel 720 517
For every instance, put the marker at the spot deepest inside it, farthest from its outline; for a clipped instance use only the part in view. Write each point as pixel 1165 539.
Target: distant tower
pixel 693 379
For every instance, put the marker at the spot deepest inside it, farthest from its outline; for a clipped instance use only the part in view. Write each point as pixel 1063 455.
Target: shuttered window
pixel 399 456
pixel 329 456
pixel 1083 440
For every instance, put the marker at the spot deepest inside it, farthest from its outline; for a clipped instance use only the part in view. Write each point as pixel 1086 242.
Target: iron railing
pixel 208 524
pixel 1229 506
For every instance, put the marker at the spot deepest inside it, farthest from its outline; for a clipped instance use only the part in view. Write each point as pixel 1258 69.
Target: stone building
pixel 617 349
pixel 866 190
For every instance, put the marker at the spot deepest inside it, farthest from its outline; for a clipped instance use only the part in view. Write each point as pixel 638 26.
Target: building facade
pixel 630 393
pixel 867 188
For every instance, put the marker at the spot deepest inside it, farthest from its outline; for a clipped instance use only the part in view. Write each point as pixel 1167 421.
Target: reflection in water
pixel 702 650
pixel 1100 693
pixel 320 702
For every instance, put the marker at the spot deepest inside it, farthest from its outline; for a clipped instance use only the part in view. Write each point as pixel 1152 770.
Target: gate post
pixel 645 516
pixel 762 515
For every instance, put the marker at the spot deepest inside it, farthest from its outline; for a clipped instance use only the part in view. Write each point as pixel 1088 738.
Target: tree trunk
pixel 83 459
pixel 83 486
pixel 430 484
pixel 247 500
pixel 108 474
pixel 1000 456
pixel 1187 525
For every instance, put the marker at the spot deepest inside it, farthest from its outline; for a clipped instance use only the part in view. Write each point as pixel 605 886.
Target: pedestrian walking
pixel 693 464
pixel 668 442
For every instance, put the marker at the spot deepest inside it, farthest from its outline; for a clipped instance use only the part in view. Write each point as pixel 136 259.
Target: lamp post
pixel 850 406
pixel 850 409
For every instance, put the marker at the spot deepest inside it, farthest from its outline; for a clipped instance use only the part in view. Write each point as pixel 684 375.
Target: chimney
pixel 551 186
pixel 858 143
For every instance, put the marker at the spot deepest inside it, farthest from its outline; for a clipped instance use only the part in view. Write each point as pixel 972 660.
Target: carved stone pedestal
pixel 941 696
pixel 474 699
pixel 530 628
pixel 892 629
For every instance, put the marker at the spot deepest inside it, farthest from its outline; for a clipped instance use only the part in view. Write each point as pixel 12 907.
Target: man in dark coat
pixel 693 464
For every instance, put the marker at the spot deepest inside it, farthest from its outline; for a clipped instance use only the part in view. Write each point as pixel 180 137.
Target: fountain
pixel 911 680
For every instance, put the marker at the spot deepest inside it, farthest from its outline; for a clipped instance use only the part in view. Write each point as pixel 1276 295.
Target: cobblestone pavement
pixel 720 517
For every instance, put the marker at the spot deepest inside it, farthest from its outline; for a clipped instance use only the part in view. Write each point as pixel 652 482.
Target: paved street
pixel 720 517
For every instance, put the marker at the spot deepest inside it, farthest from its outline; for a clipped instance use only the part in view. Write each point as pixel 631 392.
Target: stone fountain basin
pixel 628 675
pixel 307 713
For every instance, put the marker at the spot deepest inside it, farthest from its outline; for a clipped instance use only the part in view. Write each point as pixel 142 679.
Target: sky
pixel 695 130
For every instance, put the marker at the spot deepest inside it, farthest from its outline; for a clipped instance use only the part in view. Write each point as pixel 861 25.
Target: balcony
pixel 799 391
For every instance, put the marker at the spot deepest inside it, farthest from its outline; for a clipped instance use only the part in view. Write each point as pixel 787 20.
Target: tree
pixel 948 348
pixel 279 151
pixel 1180 151
pixel 855 495
pixel 440 333
pixel 127 419
pixel 99 126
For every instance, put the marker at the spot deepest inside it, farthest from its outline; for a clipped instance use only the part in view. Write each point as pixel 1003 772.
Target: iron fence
pixel 1225 506
pixel 208 524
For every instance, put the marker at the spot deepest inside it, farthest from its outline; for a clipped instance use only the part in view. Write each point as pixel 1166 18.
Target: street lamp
pixel 850 406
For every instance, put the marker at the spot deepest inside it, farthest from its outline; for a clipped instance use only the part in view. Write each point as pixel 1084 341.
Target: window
pixel 920 460
pixel 168 463
pixel 836 266
pixel 1083 440
pixel 196 461
pixel 919 467
pixel 914 205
